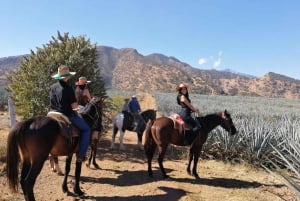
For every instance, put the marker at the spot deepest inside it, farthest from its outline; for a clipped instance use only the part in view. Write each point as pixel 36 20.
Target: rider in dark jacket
pixel 63 100
pixel 135 109
pixel 186 109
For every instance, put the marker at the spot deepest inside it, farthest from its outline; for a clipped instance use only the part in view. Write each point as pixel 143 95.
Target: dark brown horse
pixel 161 132
pixel 31 141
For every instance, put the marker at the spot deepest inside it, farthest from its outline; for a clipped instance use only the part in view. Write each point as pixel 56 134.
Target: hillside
pixel 126 69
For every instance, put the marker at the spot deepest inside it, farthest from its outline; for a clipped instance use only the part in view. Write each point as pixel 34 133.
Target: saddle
pixel 179 123
pixel 67 130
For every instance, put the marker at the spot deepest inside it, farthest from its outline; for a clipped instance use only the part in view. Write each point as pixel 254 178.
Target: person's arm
pixel 187 103
pixel 87 94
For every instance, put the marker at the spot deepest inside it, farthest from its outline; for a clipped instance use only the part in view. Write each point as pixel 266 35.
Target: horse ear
pixel 223 114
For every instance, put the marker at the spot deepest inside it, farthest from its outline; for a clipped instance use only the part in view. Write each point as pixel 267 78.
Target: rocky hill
pixel 126 69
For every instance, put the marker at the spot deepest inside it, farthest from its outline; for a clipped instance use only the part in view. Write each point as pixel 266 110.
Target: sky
pixel 253 37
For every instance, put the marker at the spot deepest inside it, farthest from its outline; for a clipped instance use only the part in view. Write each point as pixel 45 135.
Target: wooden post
pixel 12 114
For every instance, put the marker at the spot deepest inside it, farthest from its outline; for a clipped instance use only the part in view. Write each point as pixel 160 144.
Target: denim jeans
pixel 85 132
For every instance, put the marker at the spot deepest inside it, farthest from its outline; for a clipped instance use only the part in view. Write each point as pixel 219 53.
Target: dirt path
pixel 123 177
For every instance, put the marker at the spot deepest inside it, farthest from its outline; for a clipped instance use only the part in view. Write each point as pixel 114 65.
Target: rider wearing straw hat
pixel 63 100
pixel 81 92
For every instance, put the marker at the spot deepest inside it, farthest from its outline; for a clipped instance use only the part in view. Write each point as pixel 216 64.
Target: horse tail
pixel 13 155
pixel 147 134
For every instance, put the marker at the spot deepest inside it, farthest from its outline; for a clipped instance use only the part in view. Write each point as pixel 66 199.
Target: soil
pixel 123 177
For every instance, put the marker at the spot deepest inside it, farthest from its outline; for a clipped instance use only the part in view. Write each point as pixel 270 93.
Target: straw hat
pixel 63 72
pixel 82 81
pixel 178 88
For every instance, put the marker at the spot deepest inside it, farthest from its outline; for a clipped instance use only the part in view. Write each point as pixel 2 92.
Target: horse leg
pixel 139 140
pixel 24 172
pixel 93 153
pixel 113 137
pixel 122 132
pixel 29 181
pixel 54 164
pixel 95 149
pixel 67 171
pixel 76 187
pixel 161 154
pixel 150 150
pixel 196 158
pixel 191 156
pixel 88 162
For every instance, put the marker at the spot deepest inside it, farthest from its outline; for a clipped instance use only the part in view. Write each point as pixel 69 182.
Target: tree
pixel 30 84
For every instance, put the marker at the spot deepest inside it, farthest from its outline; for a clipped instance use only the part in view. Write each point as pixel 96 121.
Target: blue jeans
pixel 85 133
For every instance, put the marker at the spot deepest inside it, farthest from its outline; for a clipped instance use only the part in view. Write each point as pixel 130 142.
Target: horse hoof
pixel 166 176
pixel 87 165
pixel 60 173
pixel 96 166
pixel 65 189
pixel 78 192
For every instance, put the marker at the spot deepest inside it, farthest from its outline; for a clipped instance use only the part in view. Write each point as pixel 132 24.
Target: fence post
pixel 12 114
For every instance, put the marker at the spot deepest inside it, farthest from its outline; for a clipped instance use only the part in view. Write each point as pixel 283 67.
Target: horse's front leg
pixel 122 133
pixel 113 138
pixel 191 155
pixel 139 140
pixel 196 158
pixel 95 142
pixel 67 171
pixel 76 188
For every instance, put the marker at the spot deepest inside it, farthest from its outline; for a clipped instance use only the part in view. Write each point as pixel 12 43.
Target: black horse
pixel 125 121
pixel 31 141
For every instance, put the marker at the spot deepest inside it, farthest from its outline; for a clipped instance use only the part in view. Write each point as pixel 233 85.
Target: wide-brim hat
pixel 63 72
pixel 182 85
pixel 82 81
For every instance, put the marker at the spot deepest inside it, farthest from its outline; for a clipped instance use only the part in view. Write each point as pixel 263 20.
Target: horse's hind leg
pixel 24 173
pixel 67 171
pixel 161 154
pixel 150 150
pixel 29 181
pixel 54 164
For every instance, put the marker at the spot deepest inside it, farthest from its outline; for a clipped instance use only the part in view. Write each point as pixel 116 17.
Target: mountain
pixel 126 69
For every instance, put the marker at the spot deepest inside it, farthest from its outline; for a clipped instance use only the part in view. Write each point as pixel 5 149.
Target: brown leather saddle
pixel 179 123
pixel 67 129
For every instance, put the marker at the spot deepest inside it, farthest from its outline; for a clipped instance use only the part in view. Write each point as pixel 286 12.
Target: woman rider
pixel 186 109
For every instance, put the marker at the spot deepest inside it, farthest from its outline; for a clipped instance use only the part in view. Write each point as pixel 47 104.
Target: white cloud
pixel 214 60
pixel 217 63
pixel 202 61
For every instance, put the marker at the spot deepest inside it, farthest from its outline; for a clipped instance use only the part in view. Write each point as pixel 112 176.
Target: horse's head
pixel 227 123
pixel 93 110
pixel 149 115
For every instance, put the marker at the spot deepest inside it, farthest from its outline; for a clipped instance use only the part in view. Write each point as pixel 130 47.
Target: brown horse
pixel 94 120
pixel 161 132
pixel 31 141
